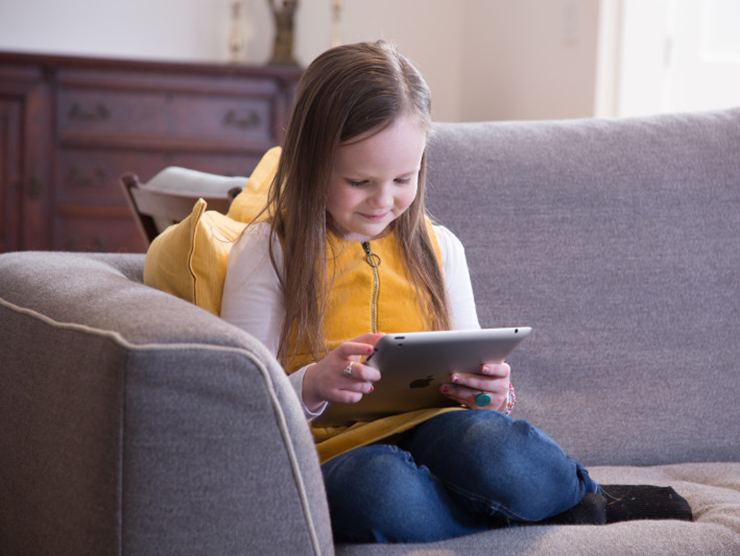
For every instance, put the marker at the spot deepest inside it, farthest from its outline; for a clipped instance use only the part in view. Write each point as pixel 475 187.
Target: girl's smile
pixel 375 217
pixel 375 179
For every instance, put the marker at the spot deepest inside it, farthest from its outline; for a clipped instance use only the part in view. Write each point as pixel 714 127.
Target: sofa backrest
pixel 617 241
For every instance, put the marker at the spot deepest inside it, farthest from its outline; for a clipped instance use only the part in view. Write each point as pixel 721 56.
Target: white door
pixel 679 55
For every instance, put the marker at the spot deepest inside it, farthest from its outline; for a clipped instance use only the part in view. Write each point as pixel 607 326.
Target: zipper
pixel 374 261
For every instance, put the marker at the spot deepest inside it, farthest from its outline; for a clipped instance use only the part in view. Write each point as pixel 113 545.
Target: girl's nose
pixel 382 195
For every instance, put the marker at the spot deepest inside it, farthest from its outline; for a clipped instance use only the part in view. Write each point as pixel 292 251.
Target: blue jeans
pixel 455 474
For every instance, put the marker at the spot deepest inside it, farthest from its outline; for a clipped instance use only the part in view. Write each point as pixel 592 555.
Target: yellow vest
pixel 370 291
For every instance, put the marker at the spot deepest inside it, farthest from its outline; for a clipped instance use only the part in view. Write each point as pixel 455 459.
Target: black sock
pixel 589 511
pixel 631 502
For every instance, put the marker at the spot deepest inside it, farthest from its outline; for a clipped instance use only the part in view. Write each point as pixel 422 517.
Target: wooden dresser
pixel 69 127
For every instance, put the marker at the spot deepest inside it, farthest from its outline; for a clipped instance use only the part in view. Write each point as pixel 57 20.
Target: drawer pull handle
pixel 251 121
pixel 76 178
pixel 98 114
pixel 74 243
pixel 100 244
pixel 36 183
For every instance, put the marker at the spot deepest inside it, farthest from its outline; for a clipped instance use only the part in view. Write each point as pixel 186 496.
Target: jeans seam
pixel 493 507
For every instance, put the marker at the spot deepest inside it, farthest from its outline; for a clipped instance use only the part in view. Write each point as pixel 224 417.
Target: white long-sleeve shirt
pixel 252 299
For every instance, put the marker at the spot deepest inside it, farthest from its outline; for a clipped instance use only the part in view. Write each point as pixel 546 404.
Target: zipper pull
pixel 371 258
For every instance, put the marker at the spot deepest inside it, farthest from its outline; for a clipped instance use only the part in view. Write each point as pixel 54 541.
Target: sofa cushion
pixel 253 198
pixel 189 259
pixel 712 490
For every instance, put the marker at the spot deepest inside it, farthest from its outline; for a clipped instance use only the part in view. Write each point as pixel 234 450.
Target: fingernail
pixel 371 389
pixel 486 369
pixel 445 389
pixel 455 379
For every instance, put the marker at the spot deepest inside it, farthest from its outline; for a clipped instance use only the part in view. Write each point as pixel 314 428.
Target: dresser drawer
pixel 98 232
pixel 91 177
pixel 71 126
pixel 180 114
pixel 239 164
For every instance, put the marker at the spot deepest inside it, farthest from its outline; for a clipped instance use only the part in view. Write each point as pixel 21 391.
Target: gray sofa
pixel 132 422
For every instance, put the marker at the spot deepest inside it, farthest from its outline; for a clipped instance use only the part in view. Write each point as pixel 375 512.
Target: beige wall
pixel 529 59
pixel 429 32
pixel 484 59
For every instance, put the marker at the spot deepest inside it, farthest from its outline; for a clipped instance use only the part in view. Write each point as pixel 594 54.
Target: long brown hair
pixel 347 91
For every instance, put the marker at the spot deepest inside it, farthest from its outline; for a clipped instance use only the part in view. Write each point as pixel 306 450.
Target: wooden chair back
pixel 155 209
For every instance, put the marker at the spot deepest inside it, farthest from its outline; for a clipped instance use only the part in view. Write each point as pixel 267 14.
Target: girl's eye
pixel 356 183
pixel 403 180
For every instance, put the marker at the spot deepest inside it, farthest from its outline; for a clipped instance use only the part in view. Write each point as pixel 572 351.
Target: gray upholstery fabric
pixel 132 422
pixel 617 241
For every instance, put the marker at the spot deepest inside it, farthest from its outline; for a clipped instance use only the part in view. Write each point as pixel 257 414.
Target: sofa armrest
pixel 135 422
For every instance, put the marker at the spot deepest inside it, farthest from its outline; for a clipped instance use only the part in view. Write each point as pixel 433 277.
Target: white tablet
pixel 414 365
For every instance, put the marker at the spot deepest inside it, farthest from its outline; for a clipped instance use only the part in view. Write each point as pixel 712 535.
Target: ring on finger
pixel 482 399
pixel 348 369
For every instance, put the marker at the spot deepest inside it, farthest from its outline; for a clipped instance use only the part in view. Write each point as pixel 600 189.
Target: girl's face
pixel 375 179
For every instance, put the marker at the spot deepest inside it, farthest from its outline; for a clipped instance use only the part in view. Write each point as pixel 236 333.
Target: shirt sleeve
pixel 252 299
pixel 464 315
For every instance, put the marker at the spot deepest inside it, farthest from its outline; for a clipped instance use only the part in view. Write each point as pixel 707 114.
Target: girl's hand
pixel 493 381
pixel 328 381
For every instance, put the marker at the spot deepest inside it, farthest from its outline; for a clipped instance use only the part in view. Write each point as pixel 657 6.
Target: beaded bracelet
pixel 510 400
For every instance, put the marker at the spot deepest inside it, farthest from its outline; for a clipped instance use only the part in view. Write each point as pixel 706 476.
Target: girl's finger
pixel 480 382
pixel 497 370
pixel 353 350
pixel 474 399
pixel 358 371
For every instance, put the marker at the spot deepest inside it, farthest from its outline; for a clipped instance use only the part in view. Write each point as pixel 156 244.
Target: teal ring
pixel 482 399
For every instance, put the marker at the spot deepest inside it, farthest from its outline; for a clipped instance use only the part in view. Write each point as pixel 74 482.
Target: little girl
pixel 345 253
